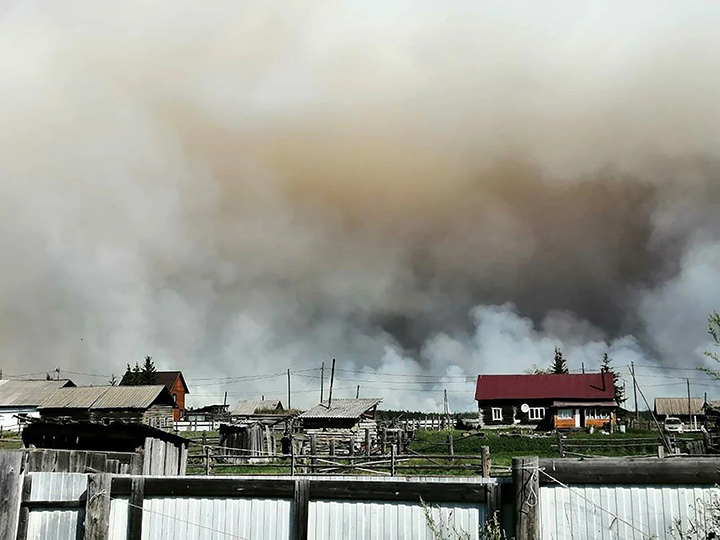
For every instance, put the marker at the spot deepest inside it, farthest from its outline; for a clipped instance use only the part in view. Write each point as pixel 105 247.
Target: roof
pixel 28 393
pixel 342 408
pixel 674 406
pixel 251 406
pixel 37 428
pixel 567 386
pixel 108 397
pixel 166 378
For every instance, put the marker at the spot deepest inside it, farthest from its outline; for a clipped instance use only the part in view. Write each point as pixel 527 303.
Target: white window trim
pixel 569 413
pixel 536 413
pixel 496 414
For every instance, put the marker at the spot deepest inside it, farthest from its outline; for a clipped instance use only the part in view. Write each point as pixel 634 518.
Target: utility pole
pixel 225 400
pixel 322 381
pixel 289 404
pixel 583 368
pixel 632 372
pixel 332 380
pixel 357 393
pixel 689 406
pixel 446 408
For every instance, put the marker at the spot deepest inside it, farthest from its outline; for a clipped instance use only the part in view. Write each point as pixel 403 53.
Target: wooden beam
pixel 10 491
pixel 24 510
pixel 679 470
pixel 400 491
pixel 135 511
pixel 159 486
pixel 527 493
pixel 301 507
pixel 97 509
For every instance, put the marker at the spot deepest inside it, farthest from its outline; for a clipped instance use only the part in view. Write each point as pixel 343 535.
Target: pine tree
pixel 559 364
pixel 606 367
pixel 148 372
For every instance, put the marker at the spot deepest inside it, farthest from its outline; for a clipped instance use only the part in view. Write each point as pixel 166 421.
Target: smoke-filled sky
pixel 424 191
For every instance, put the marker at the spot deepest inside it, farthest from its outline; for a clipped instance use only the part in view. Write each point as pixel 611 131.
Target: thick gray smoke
pixel 428 190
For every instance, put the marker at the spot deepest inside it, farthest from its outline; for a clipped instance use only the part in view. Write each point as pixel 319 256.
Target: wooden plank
pixel 48 460
pixel 400 491
pixel 50 505
pixel 97 508
pixel 135 512
pixel 207 486
pixel 136 463
pixel 147 457
pixel 10 491
pixel 486 464
pixel 677 470
pixel 24 511
pixel 96 461
pixel 158 458
pixel 527 489
pixel 301 509
pixel 182 469
pixel 63 462
pixel 34 460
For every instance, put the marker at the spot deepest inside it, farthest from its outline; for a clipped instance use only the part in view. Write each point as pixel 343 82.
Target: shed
pixel 19 399
pixel 160 452
pixel 246 440
pixel 346 421
pixel 690 411
pixel 268 412
pixel 152 405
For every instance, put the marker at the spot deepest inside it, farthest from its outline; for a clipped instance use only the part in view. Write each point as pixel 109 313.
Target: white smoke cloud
pixel 420 191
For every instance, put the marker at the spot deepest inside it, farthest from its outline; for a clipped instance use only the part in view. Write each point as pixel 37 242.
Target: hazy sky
pixel 425 191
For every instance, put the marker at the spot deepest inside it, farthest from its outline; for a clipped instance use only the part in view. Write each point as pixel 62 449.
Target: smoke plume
pixel 425 192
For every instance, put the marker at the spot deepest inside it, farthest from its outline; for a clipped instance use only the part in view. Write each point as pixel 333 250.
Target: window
pixel 598 414
pixel 565 414
pixel 536 413
pixel 174 396
pixel 496 414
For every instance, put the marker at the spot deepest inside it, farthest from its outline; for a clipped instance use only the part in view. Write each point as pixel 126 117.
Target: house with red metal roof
pixel 547 401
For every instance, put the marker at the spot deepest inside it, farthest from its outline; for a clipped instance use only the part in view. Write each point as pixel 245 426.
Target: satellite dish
pixel 525 408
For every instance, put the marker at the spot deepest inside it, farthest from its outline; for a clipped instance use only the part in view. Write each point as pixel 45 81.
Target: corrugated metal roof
pixel 678 406
pixel 24 393
pixel 105 397
pixel 252 406
pixel 594 386
pixel 342 408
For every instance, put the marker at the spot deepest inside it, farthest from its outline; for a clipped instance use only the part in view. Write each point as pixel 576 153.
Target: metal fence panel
pixel 634 512
pixel 379 520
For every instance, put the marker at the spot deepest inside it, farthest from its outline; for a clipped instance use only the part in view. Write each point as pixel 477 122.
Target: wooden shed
pixel 344 420
pixel 161 453
pixel 246 440
pixel 151 405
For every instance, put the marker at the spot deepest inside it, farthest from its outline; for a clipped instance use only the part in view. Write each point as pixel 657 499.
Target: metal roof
pixel 251 406
pixel 107 397
pixel 566 386
pixel 342 408
pixel 674 406
pixel 25 393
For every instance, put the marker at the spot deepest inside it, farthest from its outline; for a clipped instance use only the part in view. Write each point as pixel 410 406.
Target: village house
pixel 547 401
pixel 208 413
pixel 175 384
pixel 691 412
pixel 349 420
pixel 19 399
pixel 151 405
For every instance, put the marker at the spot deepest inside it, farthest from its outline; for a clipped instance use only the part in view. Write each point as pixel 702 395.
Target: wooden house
pixel 208 413
pixel 691 412
pixel 151 405
pixel 135 448
pixel 175 384
pixel 547 401
pixel 19 399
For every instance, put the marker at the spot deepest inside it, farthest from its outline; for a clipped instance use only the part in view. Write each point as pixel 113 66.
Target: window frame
pixel 496 414
pixel 570 413
pixel 536 414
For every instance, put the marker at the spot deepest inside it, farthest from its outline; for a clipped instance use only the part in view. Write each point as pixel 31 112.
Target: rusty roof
pixel 675 406
pixel 342 408
pixel 28 393
pixel 108 397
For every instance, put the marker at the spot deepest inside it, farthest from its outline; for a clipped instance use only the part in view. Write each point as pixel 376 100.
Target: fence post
pixel 292 458
pixel 561 448
pixel 384 441
pixel 332 447
pixel 135 510
pixel 207 460
pixel 97 507
pixel 301 504
pixel 10 491
pixel 526 479
pixel 392 460
pixel 313 451
pixel 451 445
pixel 485 458
pixel 367 442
